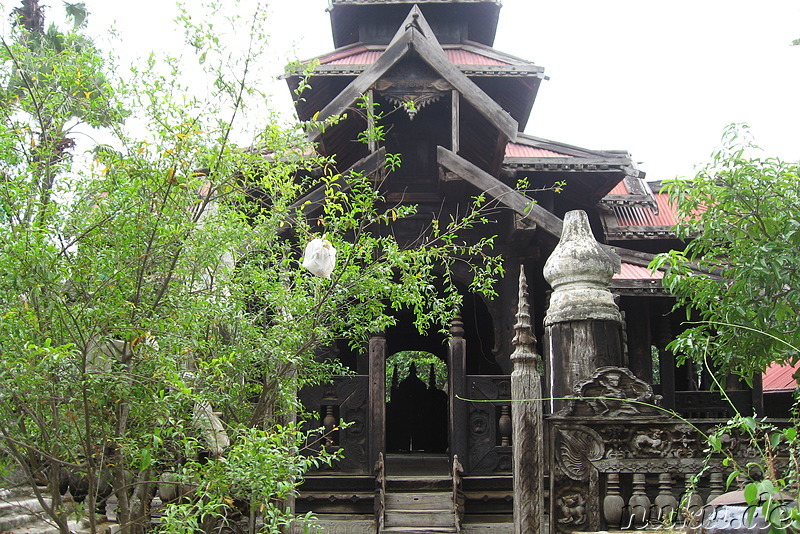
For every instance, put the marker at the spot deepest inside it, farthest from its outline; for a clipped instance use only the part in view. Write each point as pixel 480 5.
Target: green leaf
pixel 145 460
pixel 751 493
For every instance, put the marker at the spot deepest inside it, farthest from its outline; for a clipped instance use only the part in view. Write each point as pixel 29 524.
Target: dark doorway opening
pixel 416 411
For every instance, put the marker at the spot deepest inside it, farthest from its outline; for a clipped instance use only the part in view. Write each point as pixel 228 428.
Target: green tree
pixel 739 277
pixel 154 307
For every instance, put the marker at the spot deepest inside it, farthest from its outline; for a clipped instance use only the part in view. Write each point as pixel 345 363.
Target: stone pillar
pixel 528 427
pixel 583 325
pixel 377 397
pixel 457 385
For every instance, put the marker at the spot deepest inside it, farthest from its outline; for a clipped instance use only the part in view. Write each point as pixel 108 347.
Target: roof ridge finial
pixel 415 13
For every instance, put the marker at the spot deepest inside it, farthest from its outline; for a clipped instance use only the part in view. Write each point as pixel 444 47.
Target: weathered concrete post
pixel 583 326
pixel 528 427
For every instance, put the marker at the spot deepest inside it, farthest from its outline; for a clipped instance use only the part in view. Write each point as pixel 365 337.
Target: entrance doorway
pixel 416 407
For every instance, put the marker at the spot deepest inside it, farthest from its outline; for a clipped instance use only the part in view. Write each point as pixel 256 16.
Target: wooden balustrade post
pixel 666 503
pixel 639 503
pixel 691 501
pixel 613 503
pixel 457 386
pixel 716 484
pixel 377 396
pixel 527 424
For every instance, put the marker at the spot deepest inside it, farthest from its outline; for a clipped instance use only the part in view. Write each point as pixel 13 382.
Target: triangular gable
pixel 417 34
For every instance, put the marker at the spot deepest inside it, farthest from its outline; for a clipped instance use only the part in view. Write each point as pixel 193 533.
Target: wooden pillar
pixel 527 422
pixel 666 363
pixel 456 121
pixel 457 385
pixel 640 354
pixel 372 143
pixel 583 324
pixel 377 397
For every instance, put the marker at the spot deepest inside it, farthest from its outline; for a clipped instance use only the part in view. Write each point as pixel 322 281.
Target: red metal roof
pixel 644 216
pixel 515 150
pixel 635 272
pixel 359 55
pixel 353 56
pixel 463 57
pixel 779 378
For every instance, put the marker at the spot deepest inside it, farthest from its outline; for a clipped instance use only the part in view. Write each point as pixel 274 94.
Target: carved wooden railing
pixel 458 493
pixel 380 493
pixel 630 474
pixel 711 405
pixel 489 425
pixel 618 461
pixel 344 398
pixel 629 504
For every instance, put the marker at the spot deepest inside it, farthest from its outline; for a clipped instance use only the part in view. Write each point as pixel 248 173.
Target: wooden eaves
pixel 312 201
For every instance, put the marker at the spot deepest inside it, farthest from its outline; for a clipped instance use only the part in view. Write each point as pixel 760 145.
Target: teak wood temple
pixel 575 321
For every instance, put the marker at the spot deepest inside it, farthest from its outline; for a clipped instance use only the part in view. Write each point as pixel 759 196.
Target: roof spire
pixel 524 340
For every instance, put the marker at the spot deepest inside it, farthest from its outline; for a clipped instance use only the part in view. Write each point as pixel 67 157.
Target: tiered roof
pixel 450 41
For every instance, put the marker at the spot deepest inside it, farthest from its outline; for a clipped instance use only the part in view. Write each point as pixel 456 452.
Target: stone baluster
pixel 613 503
pixel 666 503
pixel 583 324
pixel 504 426
pixel 639 503
pixel 716 484
pixel 527 423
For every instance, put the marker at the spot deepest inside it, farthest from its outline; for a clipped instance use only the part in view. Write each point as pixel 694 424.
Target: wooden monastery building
pixel 427 459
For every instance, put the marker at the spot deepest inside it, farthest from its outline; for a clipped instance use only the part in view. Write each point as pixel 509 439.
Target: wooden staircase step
pixel 418 484
pixel 420 518
pixel 418 530
pixel 419 501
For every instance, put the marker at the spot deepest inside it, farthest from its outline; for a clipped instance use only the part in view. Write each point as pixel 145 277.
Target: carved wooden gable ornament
pixel 613 392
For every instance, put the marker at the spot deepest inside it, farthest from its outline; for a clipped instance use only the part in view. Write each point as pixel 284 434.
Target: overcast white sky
pixel 659 79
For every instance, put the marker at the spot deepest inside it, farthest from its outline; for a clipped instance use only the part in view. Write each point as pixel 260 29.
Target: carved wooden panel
pixel 575 479
pixel 347 395
pixel 489 452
